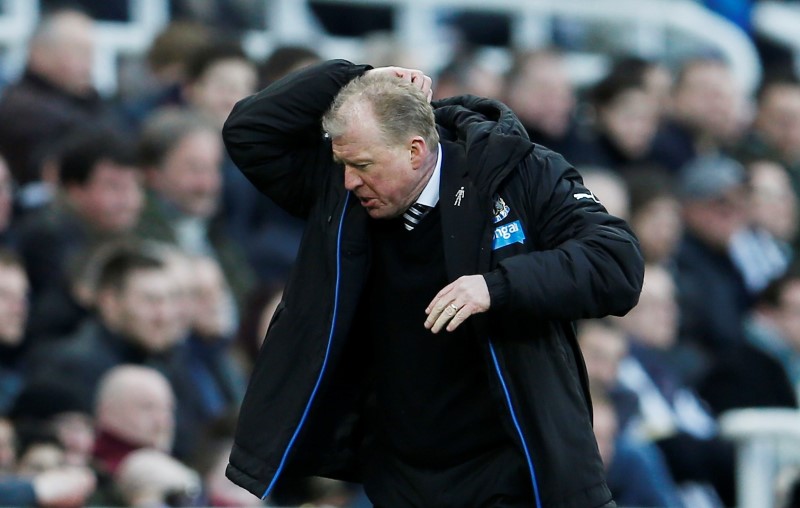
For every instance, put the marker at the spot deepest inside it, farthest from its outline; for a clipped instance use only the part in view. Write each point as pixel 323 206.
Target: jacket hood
pixel 494 138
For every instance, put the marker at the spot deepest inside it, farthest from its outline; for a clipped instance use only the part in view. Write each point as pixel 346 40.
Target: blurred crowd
pixel 139 269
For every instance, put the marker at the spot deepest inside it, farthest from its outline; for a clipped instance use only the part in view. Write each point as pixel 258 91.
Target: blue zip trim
pixel 517 426
pixel 324 361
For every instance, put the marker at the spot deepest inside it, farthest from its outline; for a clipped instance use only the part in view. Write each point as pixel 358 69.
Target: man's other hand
pixel 458 300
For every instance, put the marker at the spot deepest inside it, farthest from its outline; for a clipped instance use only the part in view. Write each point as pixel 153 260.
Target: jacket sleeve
pixel 587 263
pixel 275 136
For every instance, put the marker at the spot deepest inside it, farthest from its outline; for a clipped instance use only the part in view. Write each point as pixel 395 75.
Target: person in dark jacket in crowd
pixel 99 199
pixel 13 317
pixel 54 95
pixel 136 322
pixel 429 355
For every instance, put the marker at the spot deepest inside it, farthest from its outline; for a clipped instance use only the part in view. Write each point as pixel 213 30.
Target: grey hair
pixel 400 109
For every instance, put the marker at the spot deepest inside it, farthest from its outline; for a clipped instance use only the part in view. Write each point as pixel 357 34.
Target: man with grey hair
pixel 54 95
pixel 424 343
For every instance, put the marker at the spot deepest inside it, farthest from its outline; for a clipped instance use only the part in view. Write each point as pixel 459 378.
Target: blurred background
pixel 139 269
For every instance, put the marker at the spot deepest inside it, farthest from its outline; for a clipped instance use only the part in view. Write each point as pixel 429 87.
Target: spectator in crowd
pixel 7 234
pixel 53 96
pixel 66 486
pixel 466 73
pixel 219 379
pixel 100 198
pixel 776 127
pixel 182 155
pixel 54 408
pixel 670 413
pixel 539 90
pixel 765 370
pixel 135 409
pixel 218 75
pixel 625 456
pixel 654 75
pixel 637 473
pixel 136 322
pixel 13 317
pixel 626 121
pixel 8 446
pixel 655 213
pixel 207 316
pixel 167 60
pixel 707 114
pixel 283 60
pixel 149 477
pixel 713 294
pixel 608 188
pixel 762 250
pixel 774 206
pixel 39 453
pixel 604 346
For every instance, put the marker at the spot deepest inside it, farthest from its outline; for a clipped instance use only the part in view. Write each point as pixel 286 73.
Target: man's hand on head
pixel 413 76
pixel 458 300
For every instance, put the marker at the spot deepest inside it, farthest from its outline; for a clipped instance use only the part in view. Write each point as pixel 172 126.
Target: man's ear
pixel 108 304
pixel 419 151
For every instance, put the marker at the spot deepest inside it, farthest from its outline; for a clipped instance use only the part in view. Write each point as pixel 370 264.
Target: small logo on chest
pixel 459 196
pixel 500 209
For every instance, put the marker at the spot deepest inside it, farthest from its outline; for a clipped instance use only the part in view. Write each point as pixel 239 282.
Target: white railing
pixel 133 37
pixel 766 440
pixel 648 25
pixel 780 22
pixel 17 19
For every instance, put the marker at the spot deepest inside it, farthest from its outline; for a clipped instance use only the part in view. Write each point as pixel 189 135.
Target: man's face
pixel 779 120
pixel 543 96
pixel 788 314
pixel 603 350
pixel 659 227
pixel 148 309
pixel 211 311
pixel 383 178
pixel 190 175
pixel 709 100
pixel 654 320
pixel 716 220
pixel 144 416
pixel 13 304
pixel 222 85
pixel 112 197
pixel 631 121
pixel 66 56
pixel 773 202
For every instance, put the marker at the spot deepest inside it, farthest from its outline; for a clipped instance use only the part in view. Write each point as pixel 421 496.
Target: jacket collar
pixel 31 78
pixel 494 139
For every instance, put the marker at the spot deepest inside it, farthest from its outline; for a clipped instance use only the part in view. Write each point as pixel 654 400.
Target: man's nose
pixel 351 179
